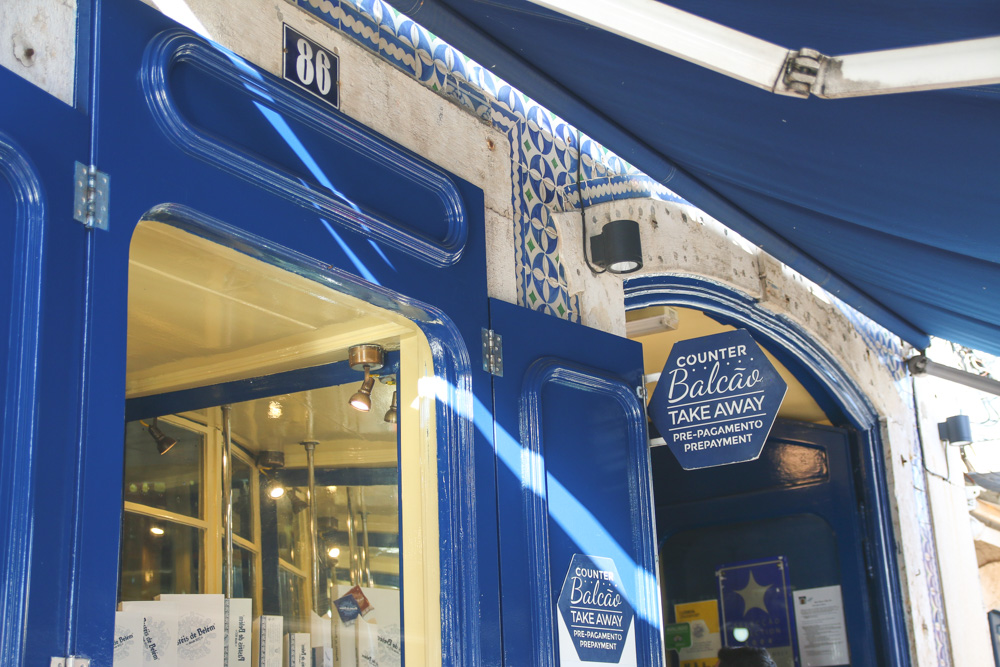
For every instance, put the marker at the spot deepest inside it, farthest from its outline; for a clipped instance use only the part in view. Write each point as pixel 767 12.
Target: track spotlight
pixel 163 441
pixel 391 416
pixel 362 399
pixel 367 357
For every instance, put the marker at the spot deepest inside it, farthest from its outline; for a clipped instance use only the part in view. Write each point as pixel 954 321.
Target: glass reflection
pixel 171 481
pixel 158 557
pixel 242 500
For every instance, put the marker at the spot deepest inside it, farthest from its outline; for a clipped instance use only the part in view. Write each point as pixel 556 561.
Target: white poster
pixel 819 620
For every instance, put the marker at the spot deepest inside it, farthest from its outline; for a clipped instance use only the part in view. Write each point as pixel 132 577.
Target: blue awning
pixel 890 202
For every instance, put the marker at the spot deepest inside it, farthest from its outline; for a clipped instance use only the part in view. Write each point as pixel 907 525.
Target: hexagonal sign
pixel 716 400
pixel 595 617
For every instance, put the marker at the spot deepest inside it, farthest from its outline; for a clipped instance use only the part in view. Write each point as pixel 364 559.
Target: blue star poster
pixel 755 607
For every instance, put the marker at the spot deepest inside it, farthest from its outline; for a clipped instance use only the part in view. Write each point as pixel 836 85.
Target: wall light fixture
pixel 617 248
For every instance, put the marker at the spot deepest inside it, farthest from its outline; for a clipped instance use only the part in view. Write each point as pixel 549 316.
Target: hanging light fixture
pixel 164 442
pixel 391 415
pixel 618 248
pixel 367 358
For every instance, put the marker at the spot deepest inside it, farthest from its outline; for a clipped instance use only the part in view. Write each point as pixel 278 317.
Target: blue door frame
pixel 844 403
pixel 42 353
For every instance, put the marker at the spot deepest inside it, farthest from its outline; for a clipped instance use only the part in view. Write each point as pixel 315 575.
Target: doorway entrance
pixel 742 545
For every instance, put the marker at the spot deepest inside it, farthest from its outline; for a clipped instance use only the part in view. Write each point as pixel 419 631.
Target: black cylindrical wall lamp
pixel 617 248
pixel 956 430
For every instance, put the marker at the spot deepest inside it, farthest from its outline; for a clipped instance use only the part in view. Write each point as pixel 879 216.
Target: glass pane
pixel 158 557
pixel 242 499
pixel 359 535
pixel 358 550
pixel 690 564
pixel 193 303
pixel 244 575
pixel 292 523
pixel 292 601
pixel 170 481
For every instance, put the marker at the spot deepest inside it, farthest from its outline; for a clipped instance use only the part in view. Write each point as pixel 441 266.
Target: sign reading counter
pixel 595 618
pixel 716 400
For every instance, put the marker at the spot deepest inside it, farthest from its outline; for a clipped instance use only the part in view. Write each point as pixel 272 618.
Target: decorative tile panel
pixel 547 175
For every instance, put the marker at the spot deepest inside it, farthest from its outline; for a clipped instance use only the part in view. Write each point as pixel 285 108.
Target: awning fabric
pixel 890 202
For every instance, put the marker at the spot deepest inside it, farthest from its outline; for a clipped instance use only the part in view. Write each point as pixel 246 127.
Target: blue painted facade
pixel 174 155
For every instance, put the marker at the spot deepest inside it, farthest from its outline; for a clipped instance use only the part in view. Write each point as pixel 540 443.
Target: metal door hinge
pixel 71 661
pixel 90 198
pixel 492 352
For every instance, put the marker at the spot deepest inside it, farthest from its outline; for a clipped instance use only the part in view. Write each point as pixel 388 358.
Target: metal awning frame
pixel 921 365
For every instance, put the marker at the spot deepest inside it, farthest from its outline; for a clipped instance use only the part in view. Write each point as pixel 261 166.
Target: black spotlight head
pixel 618 248
pixel 163 441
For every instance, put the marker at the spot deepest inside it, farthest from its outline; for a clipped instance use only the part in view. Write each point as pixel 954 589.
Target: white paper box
pixel 128 639
pixel 267 641
pixel 322 656
pixel 159 632
pixel 201 628
pixel 298 650
pixel 239 623
pixel 319 628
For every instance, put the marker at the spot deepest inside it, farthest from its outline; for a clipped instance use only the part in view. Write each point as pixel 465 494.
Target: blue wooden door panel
pixel 264 172
pixel 40 344
pixel 573 476
pixel 797 500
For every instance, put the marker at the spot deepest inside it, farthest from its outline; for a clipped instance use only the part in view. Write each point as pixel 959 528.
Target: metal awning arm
pixel 973 62
pixel 921 365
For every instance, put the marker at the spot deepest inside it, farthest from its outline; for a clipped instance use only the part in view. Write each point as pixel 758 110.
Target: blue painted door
pixel 40 351
pixel 796 501
pixel 193 136
pixel 572 479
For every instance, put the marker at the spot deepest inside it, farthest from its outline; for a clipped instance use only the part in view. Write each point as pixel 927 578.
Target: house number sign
pixel 308 65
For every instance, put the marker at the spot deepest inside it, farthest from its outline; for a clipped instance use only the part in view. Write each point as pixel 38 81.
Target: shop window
pixel 323 536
